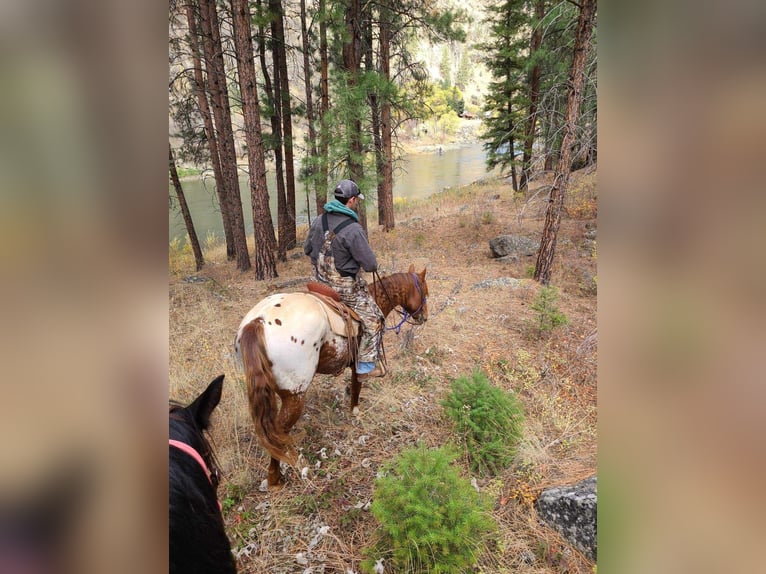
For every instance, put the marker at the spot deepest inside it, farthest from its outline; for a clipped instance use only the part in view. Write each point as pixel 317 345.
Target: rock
pixel 527 557
pixel 571 510
pixel 501 282
pixel 503 245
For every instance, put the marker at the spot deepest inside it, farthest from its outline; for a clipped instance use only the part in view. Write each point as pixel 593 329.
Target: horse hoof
pixel 267 486
pixel 355 411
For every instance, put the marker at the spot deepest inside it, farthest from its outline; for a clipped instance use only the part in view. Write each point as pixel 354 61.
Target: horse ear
pixel 203 405
pixel 412 268
pixel 423 273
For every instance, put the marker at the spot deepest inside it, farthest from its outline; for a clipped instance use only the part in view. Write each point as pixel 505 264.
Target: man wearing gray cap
pixel 339 251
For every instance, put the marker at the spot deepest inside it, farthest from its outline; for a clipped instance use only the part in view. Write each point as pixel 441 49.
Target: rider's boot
pixel 378 371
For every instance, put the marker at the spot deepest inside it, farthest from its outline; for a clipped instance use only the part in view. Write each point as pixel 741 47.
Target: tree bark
pixel 280 49
pixel 511 127
pixel 373 101
pixel 563 168
pixel 313 156
pixel 222 115
pixel 352 58
pixel 199 261
pixel 260 38
pixel 265 266
pixel 199 90
pixel 272 96
pixel 324 85
pixel 534 95
pixel 386 191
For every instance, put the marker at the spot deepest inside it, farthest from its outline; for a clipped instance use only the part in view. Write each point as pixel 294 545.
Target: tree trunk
pixel 265 266
pixel 553 140
pixel 563 168
pixel 198 259
pixel 514 176
pixel 352 58
pixel 372 98
pixel 386 191
pixel 279 48
pixel 511 142
pixel 199 89
pixel 222 115
pixel 534 95
pixel 276 139
pixel 276 128
pixel 269 97
pixel 324 84
pixel 312 163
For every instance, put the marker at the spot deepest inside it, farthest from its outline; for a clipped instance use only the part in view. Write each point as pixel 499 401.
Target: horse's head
pixel 187 426
pixel 416 303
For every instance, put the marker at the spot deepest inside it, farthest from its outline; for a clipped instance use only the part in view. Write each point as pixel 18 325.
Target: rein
pixel 406 315
pixel 182 446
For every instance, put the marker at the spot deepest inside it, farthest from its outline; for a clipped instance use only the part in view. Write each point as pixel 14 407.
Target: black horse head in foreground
pixel 198 541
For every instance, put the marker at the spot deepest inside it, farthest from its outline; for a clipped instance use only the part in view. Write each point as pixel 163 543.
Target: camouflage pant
pixel 353 292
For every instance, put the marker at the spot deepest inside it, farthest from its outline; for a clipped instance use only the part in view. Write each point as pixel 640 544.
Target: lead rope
pixel 376 278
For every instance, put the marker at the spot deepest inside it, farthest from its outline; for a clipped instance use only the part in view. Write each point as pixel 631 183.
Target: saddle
pixel 343 319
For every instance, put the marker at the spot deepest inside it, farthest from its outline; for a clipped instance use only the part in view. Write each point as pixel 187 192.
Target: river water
pixel 418 175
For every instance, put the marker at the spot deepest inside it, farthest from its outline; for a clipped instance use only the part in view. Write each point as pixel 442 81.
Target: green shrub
pixel 548 315
pixel 488 421
pixel 432 519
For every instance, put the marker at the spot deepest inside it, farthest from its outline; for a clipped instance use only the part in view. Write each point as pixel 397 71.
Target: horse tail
pixel 262 392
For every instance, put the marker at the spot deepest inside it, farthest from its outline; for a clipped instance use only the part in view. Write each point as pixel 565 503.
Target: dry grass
pixel 322 518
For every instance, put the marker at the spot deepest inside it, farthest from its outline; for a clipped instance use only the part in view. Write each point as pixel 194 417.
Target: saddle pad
pixel 337 313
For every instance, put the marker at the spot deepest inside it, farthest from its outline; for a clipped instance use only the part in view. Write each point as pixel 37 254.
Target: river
pixel 418 176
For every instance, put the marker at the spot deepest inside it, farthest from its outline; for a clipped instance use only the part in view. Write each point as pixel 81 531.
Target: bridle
pixel 212 476
pixel 406 315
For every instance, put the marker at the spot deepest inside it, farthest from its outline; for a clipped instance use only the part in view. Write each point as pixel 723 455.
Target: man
pixel 339 251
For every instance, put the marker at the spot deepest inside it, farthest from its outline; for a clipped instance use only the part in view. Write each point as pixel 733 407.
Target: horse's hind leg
pixel 289 413
pixel 356 386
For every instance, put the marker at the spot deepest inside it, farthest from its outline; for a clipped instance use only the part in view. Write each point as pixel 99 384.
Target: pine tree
pixel 265 266
pixel 445 68
pixel 554 56
pixel 505 102
pixel 464 70
pixel 199 261
pixel 561 178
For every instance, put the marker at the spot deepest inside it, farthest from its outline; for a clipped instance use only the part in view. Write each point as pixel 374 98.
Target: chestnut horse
pixel 287 338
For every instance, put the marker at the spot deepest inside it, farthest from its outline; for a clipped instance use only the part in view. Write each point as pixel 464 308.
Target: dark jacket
pixel 350 247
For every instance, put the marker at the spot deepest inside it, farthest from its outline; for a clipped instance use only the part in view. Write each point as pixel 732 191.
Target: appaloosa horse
pixel 288 337
pixel 198 541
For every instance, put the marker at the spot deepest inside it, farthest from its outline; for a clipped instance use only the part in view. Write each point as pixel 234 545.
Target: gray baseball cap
pixel 347 188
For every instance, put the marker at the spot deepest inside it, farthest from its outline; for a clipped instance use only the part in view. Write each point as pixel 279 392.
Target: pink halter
pixel 194 454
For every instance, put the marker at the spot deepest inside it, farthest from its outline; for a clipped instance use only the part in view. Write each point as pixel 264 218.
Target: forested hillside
pixel 318 91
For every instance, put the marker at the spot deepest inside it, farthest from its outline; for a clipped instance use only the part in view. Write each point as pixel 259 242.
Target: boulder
pixel 571 510
pixel 511 282
pixel 503 245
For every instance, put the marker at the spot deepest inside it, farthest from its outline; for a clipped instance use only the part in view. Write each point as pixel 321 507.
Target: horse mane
pixel 198 541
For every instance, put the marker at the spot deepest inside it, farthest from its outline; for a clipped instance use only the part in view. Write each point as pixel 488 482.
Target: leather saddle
pixel 343 319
